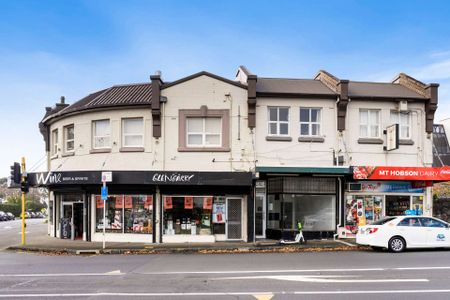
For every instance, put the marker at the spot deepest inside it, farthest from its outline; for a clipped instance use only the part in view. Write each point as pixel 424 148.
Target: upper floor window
pixel 310 119
pixel 69 138
pixel 278 121
pixel 101 134
pixel 204 132
pixel 404 123
pixel 369 123
pixel 55 142
pixel 133 132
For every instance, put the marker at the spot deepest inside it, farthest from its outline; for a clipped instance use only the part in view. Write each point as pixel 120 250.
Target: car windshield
pixel 383 221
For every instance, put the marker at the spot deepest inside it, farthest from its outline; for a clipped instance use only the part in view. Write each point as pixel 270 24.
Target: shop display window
pixel 125 213
pixel 362 209
pixel 191 215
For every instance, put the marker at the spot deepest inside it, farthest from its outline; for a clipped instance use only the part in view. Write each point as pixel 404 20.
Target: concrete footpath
pixel 46 244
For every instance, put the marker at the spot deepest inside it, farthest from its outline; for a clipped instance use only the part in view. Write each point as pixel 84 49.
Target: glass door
pixel 260 210
pixel 66 221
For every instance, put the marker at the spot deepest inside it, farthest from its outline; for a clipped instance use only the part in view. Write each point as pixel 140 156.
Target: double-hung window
pixel 204 132
pixel 69 138
pixel 133 132
pixel 403 119
pixel 278 124
pixel 310 119
pixel 369 123
pixel 101 134
pixel 55 142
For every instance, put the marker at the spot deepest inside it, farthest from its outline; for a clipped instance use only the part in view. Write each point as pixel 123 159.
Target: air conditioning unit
pixel 354 187
pixel 403 105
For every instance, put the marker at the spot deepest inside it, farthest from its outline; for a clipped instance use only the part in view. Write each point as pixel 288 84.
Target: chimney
pixel 63 100
pixel 251 99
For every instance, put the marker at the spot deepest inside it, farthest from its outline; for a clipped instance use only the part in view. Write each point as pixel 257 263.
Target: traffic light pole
pixel 23 202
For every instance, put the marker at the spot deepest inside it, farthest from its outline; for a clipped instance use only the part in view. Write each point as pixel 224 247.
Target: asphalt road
pixel 320 275
pixel 11 231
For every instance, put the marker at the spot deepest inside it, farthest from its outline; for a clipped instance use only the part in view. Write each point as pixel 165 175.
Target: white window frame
pixel 67 140
pixel 55 141
pixel 132 134
pixel 94 137
pixel 370 123
pixel 204 133
pixel 277 122
pixel 398 120
pixel 310 123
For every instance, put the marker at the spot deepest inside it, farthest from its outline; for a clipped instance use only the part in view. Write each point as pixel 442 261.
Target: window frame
pixel 397 115
pixel 94 128
pixel 369 124
pixel 278 122
pixel 55 142
pixel 134 134
pixel 310 123
pixel 66 140
pixel 203 133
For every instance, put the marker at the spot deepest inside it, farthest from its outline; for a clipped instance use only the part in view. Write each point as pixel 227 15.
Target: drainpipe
pixel 340 210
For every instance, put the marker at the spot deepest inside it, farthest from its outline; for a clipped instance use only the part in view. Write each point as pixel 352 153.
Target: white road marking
pixel 7 227
pixel 325 279
pixel 264 271
pixel 423 268
pixel 112 273
pixel 26 232
pixel 336 292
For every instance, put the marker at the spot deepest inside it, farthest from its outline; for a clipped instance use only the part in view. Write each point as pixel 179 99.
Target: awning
pixel 401 173
pixel 305 170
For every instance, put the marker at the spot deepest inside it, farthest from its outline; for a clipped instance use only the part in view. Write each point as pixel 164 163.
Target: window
pixel 204 132
pixel 101 134
pixel 429 222
pixel 414 222
pixel 369 123
pixel 69 138
pixel 125 213
pixel 55 142
pixel 278 121
pixel 404 123
pixel 133 132
pixel 310 119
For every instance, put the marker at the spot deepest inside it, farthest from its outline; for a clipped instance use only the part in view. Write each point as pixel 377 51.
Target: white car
pixel 399 233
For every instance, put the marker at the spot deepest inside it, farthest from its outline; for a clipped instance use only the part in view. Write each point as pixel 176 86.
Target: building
pixel 205 158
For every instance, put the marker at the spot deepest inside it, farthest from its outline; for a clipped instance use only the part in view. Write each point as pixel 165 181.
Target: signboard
pixel 168 203
pixel 106 176
pixel 402 173
pixel 128 202
pixel 99 202
pixel 218 213
pixel 148 204
pixel 392 186
pixel 119 201
pixel 104 193
pixel 207 203
pixel 392 137
pixel 188 202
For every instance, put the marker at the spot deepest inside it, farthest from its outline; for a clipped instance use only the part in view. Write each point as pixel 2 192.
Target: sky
pixel 50 49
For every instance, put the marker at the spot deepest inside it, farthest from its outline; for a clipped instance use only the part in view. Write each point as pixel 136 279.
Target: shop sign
pixel 402 173
pixel 128 202
pixel 207 203
pixel 99 202
pixel 219 213
pixel 188 202
pixel 391 186
pixel 392 137
pixel 168 203
pixel 148 204
pixel 119 201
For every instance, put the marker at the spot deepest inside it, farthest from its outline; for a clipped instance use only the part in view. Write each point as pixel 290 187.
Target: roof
pixel 380 90
pixel 119 95
pixel 292 86
pixel 204 73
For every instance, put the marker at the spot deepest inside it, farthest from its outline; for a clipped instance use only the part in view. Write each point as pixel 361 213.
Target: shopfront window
pixel 362 209
pixel 190 215
pixel 125 214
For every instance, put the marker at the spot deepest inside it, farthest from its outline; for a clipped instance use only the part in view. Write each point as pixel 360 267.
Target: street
pixel 10 231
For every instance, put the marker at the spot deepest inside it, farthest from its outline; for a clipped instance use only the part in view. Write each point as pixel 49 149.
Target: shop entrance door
pixel 260 212
pixel 234 219
pixel 77 221
pixel 66 221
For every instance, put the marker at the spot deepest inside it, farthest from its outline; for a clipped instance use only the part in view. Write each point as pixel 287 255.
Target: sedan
pixel 405 232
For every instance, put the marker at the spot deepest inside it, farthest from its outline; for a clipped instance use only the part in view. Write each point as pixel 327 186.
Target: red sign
pixel 188 202
pixel 168 203
pixel 402 173
pixel 128 202
pixel 99 202
pixel 119 201
pixel 207 203
pixel 148 204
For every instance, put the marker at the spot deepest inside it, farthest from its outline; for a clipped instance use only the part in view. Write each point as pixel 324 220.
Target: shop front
pixel 150 207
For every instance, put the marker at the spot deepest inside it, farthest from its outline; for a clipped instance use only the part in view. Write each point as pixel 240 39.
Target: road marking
pixel 423 268
pixel 112 273
pixel 133 295
pixel 265 271
pixel 324 279
pixel 7 227
pixel 264 296
pixel 25 232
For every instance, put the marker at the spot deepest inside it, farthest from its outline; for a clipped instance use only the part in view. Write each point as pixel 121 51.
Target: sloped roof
pixel 292 86
pixel 358 89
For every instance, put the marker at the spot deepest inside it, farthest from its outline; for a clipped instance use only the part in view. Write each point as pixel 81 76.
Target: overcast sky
pixel 72 48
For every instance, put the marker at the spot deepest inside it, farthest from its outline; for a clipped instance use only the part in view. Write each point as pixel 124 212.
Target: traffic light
pixel 25 186
pixel 16 175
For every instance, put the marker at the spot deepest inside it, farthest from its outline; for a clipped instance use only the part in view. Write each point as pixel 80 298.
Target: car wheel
pixel 397 244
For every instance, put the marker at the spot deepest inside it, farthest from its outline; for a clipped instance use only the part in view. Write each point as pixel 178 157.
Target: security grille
pixel 234 211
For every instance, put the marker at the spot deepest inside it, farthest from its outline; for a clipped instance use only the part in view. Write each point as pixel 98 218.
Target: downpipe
pixel 340 208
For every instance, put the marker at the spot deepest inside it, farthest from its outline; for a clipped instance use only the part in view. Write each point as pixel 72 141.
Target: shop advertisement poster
pixel 128 202
pixel 99 202
pixel 117 224
pixel 219 213
pixel 402 173
pixel 168 203
pixel 188 202
pixel 207 203
pixel 391 187
pixel 119 201
pixel 148 204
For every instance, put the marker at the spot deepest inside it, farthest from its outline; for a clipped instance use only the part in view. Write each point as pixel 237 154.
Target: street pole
pixel 23 202
pixel 104 218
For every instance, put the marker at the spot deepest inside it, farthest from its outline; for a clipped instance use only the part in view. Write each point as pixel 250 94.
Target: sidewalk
pixel 46 244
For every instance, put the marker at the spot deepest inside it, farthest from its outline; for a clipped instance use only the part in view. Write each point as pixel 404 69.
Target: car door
pixel 438 232
pixel 411 230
